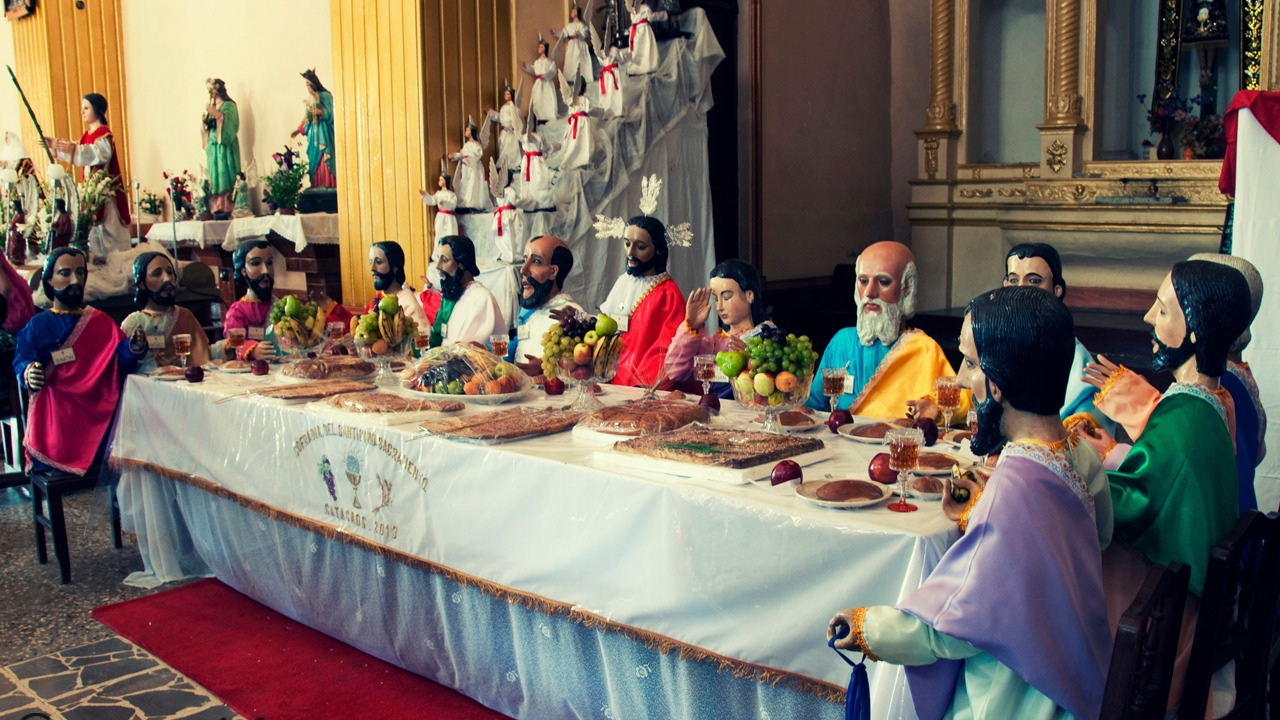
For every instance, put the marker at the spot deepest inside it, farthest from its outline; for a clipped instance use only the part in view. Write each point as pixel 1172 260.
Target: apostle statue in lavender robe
pixel 73 360
pixel 1023 583
pixel 160 317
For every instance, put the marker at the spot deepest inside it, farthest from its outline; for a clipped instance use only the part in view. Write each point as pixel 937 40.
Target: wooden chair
pixel 12 427
pixel 1237 618
pixel 47 490
pixel 1145 648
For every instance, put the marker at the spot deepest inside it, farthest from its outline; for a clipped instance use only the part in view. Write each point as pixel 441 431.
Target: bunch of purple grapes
pixel 576 327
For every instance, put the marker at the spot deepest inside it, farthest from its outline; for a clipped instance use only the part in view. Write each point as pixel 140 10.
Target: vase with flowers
pixel 1204 137
pixel 284 186
pixel 94 193
pixel 1164 116
pixel 180 194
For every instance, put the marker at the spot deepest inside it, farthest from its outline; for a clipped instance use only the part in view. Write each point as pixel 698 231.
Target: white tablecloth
pixel 319 228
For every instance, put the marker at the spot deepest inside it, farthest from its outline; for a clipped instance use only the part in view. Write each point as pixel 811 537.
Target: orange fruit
pixel 379 347
pixel 493 387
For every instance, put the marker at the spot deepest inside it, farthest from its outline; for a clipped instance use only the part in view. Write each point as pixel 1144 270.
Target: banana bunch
pixel 608 348
pixel 392 327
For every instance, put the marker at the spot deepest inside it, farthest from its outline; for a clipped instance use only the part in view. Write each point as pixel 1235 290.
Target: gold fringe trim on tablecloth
pixel 655 641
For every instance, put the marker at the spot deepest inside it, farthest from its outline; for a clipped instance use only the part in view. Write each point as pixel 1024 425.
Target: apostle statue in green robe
pixel 221 147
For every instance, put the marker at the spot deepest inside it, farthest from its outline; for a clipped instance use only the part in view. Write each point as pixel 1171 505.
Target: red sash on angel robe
pixel 113 169
pixel 69 416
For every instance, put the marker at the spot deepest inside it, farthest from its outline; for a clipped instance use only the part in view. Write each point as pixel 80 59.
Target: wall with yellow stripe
pixel 61 53
pixel 407 75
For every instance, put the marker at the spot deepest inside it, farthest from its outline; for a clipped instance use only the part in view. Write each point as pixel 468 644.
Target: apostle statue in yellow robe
pixel 889 365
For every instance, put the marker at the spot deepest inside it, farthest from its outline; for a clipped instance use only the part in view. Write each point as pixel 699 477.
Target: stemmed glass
pixel 335 331
pixel 704 369
pixel 235 340
pixel 182 346
pixel 904 456
pixel 948 397
pixel 834 382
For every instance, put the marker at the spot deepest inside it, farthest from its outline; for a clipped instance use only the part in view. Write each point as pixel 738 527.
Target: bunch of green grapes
pixel 556 344
pixel 773 352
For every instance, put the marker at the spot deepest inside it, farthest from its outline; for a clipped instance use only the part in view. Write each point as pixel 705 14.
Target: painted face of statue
pixel 537 274
pixel 87 113
pixel 1031 272
pixel 970 375
pixel 732 304
pixel 259 272
pixel 69 277
pixel 161 282
pixel 641 251
pixel 880 292
pixel 1170 345
pixel 380 268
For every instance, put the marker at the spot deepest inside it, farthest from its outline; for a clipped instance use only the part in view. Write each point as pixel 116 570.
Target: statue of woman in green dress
pixel 221 147
pixel 317 125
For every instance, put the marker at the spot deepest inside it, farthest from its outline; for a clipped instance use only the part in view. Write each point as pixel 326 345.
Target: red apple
pixel 260 367
pixel 786 471
pixel 194 374
pixel 711 402
pixel 838 418
pixel 553 386
pixel 581 372
pixel 582 354
pixel 880 471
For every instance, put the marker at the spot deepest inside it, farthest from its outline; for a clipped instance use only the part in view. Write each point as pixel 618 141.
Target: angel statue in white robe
pixel 510 127
pixel 445 202
pixel 470 186
pixel 642 44
pixel 577 37
pixel 542 98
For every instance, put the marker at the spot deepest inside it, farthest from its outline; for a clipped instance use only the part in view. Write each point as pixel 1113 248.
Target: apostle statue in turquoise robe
pixel 221 147
pixel 317 125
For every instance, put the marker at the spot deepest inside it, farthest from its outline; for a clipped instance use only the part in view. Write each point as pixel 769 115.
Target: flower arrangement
pixel 151 203
pixel 1164 116
pixel 285 184
pixel 180 185
pixel 1204 137
pixel 95 193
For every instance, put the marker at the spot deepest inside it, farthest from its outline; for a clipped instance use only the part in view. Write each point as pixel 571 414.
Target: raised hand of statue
pixel 34 377
pixel 1097 373
pixel 561 313
pixel 697 308
pixel 923 408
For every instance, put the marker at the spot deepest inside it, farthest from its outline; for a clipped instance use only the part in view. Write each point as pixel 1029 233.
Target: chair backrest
pixel 1145 648
pixel 1237 615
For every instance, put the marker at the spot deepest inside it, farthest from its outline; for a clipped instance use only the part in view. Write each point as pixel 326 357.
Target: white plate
pixel 956 459
pixel 846 431
pixel 168 378
pixel 235 370
pixel 808 490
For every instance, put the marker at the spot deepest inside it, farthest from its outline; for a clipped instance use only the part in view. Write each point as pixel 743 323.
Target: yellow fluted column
pixel 941 111
pixel 1063 105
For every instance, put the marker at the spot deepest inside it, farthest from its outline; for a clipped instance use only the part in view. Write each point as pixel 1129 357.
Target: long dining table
pixel 541 577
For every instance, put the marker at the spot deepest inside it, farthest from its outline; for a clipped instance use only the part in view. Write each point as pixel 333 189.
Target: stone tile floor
pixel 55 660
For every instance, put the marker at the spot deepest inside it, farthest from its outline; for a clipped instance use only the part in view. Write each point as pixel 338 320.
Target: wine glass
pixel 499 344
pixel 182 346
pixel 334 332
pixel 704 369
pixel 948 397
pixel 235 340
pixel 834 383
pixel 904 456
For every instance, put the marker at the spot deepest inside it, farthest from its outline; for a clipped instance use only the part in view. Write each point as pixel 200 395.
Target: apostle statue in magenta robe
pixel 73 360
pixel 890 366
pixel 1023 582
pixel 160 317
pixel 220 131
pixel 645 300
pixel 253 264
pixel 317 125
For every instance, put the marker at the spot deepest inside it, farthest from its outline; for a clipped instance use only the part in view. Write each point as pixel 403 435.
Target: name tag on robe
pixel 624 321
pixel 848 383
pixel 522 332
pixel 64 356
pixel 156 342
pixel 257 333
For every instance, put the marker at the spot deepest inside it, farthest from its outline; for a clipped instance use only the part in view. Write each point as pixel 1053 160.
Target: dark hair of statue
pixel 221 89
pixel 546 46
pixel 395 257
pixel 314 80
pixel 745 274
pixel 1026 344
pixel 1047 253
pixel 52 261
pixel 658 232
pixel 99 105
pixel 464 252
pixel 562 258
pixel 140 292
pixel 1216 302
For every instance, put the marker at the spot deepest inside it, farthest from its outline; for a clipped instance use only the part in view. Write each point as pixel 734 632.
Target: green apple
pixel 606 326
pixel 731 362
pixel 389 304
pixel 591 337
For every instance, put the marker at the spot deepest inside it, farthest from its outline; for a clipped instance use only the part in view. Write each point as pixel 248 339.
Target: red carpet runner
pixel 264 665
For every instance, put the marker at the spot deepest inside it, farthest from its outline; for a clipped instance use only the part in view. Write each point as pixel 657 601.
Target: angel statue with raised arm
pixel 577 37
pixel 642 42
pixel 510 126
pixel 542 98
pixel 470 185
pixel 444 201
pixel 579 138
pixel 645 300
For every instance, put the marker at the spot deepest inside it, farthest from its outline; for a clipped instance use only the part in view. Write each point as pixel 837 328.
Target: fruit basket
pixel 777 375
pixel 468 373
pixel 383 335
pixel 297 327
pixel 582 351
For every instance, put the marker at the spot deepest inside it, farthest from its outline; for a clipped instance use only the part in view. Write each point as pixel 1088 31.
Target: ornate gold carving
pixel 976 173
pixel 1064 99
pixel 1167 47
pixel 978 193
pixel 1186 169
pixel 1012 193
pixel 1198 191
pixel 1062 192
pixel 941 111
pixel 1056 155
pixel 1029 172
pixel 1251 44
pixel 931 158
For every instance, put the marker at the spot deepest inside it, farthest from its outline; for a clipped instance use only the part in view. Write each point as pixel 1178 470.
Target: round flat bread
pixel 846 490
pixel 926 484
